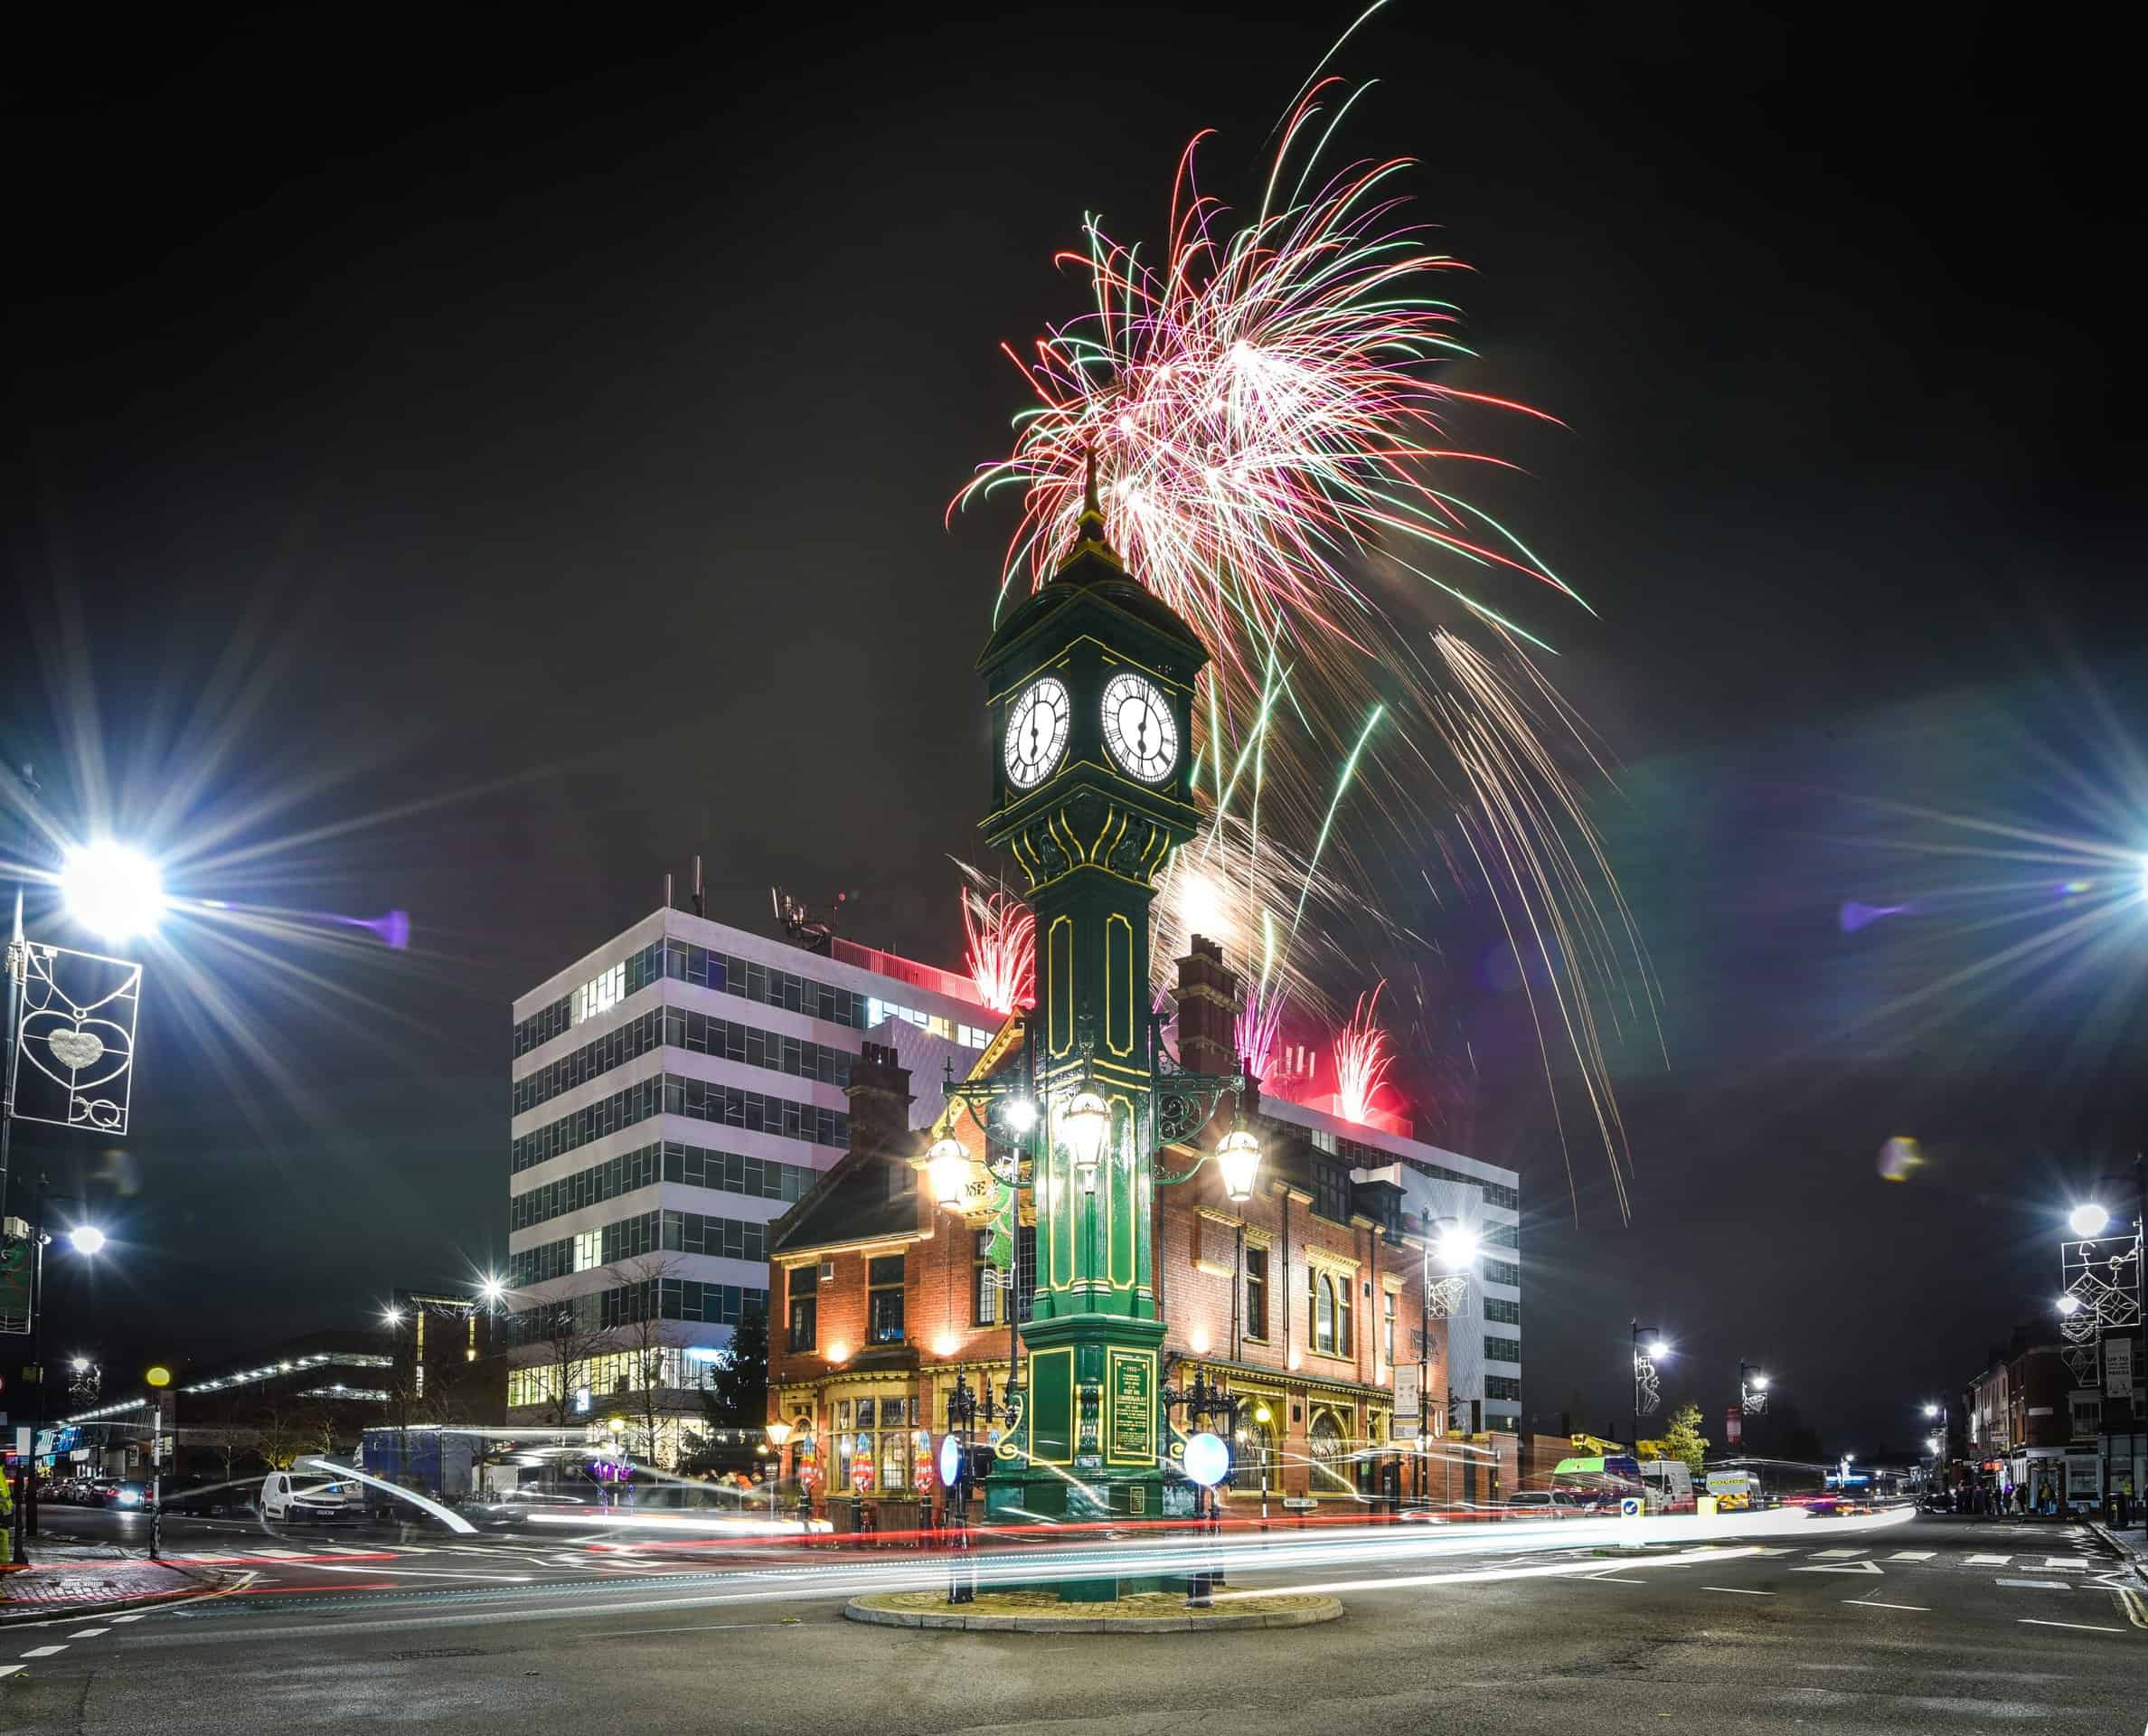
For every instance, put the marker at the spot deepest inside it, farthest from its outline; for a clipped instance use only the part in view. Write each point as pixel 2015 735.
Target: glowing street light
pixel 1658 1348
pixel 86 1238
pixel 1932 1411
pixel 490 1290
pixel 1085 1123
pixel 1456 1247
pixel 2088 1219
pixel 111 889
pixel 1020 1113
pixel 1237 1156
pixel 947 1167
pixel 2069 1303
pixel 1759 1382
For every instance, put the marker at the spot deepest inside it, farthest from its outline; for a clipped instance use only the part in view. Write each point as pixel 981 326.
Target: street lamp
pixel 1932 1412
pixel 2069 1303
pixel 1647 1392
pixel 1456 1247
pixel 1085 1122
pixel 2088 1220
pixel 110 890
pixel 1238 1156
pixel 490 1290
pixel 947 1166
pixel 1020 1113
pixel 86 1238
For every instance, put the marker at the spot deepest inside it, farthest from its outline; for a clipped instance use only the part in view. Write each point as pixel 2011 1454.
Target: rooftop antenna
pixel 701 893
pixel 667 891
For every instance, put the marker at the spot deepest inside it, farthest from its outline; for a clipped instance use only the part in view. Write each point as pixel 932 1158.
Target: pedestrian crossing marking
pixel 1837 1554
pixel 1988 1561
pixel 2038 1585
pixel 2071 1563
pixel 1778 1549
pixel 1913 1555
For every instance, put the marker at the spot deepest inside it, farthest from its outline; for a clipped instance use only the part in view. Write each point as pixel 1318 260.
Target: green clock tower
pixel 1090 682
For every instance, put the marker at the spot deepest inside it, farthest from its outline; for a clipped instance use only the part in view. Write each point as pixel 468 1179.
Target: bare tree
pixel 572 1339
pixel 641 1342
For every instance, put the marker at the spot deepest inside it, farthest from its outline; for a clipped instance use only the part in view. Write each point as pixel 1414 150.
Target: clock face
pixel 1037 731
pixel 1139 727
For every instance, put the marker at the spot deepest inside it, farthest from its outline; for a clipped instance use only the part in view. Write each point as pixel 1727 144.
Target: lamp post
pixel 2101 1269
pixel 1648 1391
pixel 1450 1256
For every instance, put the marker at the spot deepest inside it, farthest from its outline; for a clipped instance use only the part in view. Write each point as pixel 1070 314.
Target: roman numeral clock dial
pixel 1037 731
pixel 1139 727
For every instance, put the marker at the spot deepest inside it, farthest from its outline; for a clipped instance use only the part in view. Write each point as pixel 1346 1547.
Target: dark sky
pixel 531 442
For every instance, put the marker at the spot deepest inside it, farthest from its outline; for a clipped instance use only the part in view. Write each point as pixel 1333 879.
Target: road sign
pixel 1299 1503
pixel 1629 1507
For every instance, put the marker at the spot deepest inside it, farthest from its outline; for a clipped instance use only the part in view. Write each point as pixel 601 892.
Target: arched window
pixel 1325 1437
pixel 1324 1315
pixel 1256 1456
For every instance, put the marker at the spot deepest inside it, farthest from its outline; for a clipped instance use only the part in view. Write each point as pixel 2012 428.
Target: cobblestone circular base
pixel 1041 1612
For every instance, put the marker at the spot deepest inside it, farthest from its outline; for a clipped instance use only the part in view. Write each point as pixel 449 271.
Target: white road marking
pixel 1836 1554
pixel 1736 1591
pixel 2030 1621
pixel 1988 1561
pixel 1606 1578
pixel 1843 1567
pixel 2067 1562
pixel 9 1669
pixel 2038 1585
pixel 1873 1603
pixel 117 1619
pixel 43 1651
pixel 88 1633
pixel 428 1573
pixel 1913 1555
pixel 1778 1549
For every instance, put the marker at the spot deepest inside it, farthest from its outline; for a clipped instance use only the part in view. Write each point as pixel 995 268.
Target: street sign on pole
pixel 1408 1399
pixel 2119 1368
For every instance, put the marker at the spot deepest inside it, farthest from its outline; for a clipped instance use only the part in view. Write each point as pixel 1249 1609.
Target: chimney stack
pixel 880 1105
pixel 1208 1011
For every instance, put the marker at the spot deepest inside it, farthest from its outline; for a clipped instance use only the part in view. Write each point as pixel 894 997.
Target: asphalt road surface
pixel 1930 1625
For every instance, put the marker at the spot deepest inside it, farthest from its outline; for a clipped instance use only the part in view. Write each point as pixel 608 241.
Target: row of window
pixel 1502 1235
pixel 721 971
pixel 1503 1389
pixel 1501 1312
pixel 698 1099
pixel 1501 1272
pixel 1364 1156
pixel 1502 1350
pixel 759 1178
pixel 728 975
pixel 674 1232
pixel 668 1298
pixel 678 1028
pixel 605 1376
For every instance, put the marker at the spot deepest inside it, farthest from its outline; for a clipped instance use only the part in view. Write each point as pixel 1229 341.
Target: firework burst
pixel 1000 947
pixel 1264 400
pixel 1362 1059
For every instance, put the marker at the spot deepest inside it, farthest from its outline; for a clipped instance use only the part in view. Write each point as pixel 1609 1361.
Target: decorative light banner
pixel 75 1051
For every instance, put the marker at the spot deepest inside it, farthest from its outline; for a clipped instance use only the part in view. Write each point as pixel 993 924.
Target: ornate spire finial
pixel 1092 514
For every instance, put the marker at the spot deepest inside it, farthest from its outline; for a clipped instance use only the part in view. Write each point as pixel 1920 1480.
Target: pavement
pixel 1907 1624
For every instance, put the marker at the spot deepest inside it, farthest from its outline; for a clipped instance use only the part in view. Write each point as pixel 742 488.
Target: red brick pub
pixel 1300 1301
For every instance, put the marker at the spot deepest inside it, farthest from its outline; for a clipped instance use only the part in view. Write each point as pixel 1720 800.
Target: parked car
pixel 209 1496
pixel 1542 1503
pixel 132 1495
pixel 304 1496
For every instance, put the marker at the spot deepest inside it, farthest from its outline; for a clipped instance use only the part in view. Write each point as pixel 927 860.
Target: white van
pixel 302 1495
pixel 1669 1484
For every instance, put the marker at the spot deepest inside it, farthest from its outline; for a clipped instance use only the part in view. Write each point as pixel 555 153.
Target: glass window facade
pixel 884 1299
pixel 669 1298
pixel 1256 1292
pixel 1501 1312
pixel 1502 1388
pixel 678 1028
pixel 698 1099
pixel 1501 1271
pixel 1502 1350
pixel 725 1172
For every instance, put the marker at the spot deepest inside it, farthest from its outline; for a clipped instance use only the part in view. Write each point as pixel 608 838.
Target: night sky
pixel 460 464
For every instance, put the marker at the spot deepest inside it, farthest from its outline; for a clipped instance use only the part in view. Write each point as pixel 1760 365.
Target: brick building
pixel 1301 1300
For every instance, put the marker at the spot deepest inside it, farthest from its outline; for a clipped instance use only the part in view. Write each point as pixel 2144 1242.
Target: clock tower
pixel 1091 681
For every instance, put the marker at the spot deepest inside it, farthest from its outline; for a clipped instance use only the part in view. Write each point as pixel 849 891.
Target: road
pixel 1924 1626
